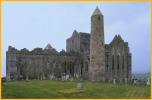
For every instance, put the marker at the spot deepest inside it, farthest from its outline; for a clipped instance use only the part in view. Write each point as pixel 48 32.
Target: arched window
pixel 65 67
pixel 107 56
pixel 123 62
pixel 107 68
pixel 81 68
pixel 117 62
pixel 70 68
pixel 72 41
pixel 113 62
pixel 86 66
pixel 98 17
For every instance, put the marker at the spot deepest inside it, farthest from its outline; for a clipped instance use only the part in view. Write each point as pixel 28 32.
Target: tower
pixel 97 52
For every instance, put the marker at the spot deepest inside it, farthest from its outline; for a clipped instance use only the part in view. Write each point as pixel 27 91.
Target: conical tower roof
pixel 48 46
pixel 75 32
pixel 97 11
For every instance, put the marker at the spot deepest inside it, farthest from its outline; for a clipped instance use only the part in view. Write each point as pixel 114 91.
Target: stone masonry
pixel 97 50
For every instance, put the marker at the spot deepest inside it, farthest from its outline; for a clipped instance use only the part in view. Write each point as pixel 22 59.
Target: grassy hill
pixel 67 89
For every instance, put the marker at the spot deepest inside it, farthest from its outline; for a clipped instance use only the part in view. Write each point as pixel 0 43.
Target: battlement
pixel 40 51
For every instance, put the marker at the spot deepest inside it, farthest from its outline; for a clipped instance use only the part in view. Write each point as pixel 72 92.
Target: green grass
pixel 67 89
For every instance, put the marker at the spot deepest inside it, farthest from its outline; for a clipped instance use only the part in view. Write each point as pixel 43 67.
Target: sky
pixel 31 25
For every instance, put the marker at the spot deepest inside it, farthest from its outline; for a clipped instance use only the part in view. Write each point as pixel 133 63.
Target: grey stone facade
pixel 97 49
pixel 86 57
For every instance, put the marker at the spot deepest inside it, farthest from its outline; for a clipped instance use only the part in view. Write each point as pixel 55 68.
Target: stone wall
pixel 80 42
pixel 50 64
pixel 118 61
pixel 32 65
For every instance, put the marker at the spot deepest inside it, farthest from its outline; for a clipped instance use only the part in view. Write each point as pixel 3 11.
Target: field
pixel 67 89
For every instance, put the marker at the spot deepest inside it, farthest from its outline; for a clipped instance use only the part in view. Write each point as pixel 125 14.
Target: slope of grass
pixel 67 89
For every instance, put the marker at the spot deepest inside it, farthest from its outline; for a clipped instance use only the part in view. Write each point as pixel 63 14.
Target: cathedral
pixel 87 57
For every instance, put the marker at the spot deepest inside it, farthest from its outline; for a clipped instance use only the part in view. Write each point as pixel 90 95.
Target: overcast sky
pixel 30 25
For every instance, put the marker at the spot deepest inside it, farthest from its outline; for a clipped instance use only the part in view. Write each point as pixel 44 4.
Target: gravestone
pixel 66 77
pixel 135 81
pixel 126 81
pixel 114 81
pixel 148 82
pixel 71 79
pixel 79 86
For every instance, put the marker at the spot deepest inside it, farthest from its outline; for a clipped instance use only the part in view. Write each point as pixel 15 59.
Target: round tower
pixel 97 50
